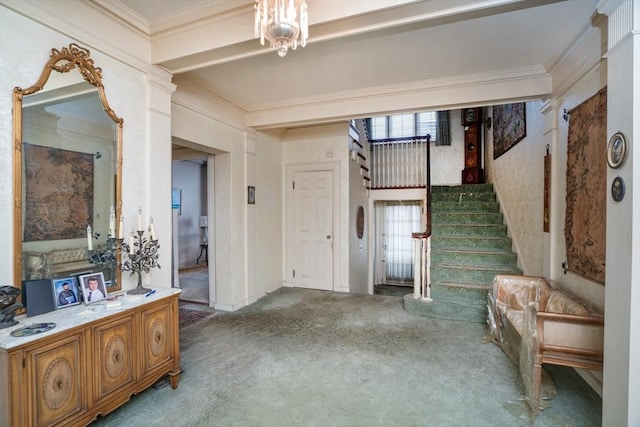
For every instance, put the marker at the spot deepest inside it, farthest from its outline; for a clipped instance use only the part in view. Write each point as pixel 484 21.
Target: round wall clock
pixel 470 115
pixel 360 222
pixel 616 150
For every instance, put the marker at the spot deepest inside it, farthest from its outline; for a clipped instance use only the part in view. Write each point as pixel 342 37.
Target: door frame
pixel 290 170
pixel 383 195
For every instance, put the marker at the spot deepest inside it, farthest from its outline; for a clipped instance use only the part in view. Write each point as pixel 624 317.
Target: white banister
pixel 422 266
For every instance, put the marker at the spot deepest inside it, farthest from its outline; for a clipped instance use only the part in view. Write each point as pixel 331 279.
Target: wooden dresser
pixel 92 362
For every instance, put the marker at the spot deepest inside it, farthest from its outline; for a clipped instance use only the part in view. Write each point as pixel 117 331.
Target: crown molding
pixel 506 86
pixel 125 14
pixel 528 72
pixel 70 19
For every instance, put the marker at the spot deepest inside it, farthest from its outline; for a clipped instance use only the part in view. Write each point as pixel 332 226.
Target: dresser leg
pixel 174 379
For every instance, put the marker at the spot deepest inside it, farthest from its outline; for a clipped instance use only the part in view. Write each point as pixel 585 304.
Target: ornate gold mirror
pixel 67 173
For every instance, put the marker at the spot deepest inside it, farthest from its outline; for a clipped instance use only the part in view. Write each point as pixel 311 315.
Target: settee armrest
pixel 571 340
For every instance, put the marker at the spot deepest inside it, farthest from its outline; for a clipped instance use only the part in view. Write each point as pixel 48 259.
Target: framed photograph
pixel 93 287
pixel 65 292
pixel 251 195
pixel 616 150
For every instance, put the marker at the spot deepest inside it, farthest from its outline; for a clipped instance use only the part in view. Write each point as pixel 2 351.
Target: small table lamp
pixel 204 224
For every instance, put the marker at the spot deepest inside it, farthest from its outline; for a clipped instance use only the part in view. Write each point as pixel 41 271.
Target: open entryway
pixel 394 250
pixel 192 189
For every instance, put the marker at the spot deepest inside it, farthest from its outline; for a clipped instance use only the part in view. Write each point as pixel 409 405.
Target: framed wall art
pixel 616 150
pixel 251 195
pixel 58 193
pixel 509 127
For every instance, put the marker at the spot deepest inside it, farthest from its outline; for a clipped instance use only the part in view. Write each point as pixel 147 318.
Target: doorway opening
pixel 394 256
pixel 190 200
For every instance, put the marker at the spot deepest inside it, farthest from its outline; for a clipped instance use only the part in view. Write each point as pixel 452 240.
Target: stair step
pixel 465 207
pixel 469 247
pixel 480 274
pixel 472 257
pixel 476 243
pixel 466 218
pixel 465 188
pixel 463 197
pixel 475 230
pixel 449 310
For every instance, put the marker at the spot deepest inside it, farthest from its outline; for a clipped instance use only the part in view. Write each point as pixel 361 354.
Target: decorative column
pixel 621 385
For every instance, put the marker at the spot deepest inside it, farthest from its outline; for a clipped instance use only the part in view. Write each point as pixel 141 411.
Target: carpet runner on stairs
pixel 469 247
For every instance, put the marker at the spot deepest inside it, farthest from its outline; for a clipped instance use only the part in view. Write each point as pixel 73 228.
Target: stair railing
pixel 422 242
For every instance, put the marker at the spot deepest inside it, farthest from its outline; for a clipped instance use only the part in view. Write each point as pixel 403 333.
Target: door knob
pixel 328 237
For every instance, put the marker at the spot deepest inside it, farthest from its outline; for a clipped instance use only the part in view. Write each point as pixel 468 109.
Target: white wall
pixel 518 179
pixel 269 213
pixel 25 46
pixel 622 302
pixel 321 144
pixel 247 250
pixel 447 161
pixel 358 247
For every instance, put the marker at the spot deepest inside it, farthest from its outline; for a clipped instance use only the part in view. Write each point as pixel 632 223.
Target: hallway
pixel 194 282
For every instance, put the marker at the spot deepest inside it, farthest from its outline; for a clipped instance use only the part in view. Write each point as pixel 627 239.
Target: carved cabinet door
pixel 158 330
pixel 57 371
pixel 114 356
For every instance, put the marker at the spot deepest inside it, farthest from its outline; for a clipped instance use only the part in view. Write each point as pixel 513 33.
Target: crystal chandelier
pixel 282 22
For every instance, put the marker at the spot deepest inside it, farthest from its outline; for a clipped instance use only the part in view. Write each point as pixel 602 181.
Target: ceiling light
pixel 282 22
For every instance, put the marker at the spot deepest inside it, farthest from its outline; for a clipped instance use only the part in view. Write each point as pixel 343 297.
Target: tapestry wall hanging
pixel 58 193
pixel 585 222
pixel 509 127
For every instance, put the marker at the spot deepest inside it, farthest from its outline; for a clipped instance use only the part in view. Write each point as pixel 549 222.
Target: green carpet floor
pixel 314 358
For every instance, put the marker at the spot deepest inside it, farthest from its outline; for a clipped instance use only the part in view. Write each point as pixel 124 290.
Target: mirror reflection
pixel 69 178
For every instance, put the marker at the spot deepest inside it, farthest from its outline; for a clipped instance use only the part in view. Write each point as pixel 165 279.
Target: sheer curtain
pixel 400 220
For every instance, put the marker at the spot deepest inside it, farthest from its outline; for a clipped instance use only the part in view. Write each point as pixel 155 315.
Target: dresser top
pixel 69 317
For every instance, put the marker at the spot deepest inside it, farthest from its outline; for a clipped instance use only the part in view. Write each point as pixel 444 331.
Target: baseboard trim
pixel 592 379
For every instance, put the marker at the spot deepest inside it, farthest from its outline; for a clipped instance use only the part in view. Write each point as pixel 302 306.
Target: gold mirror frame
pixel 62 61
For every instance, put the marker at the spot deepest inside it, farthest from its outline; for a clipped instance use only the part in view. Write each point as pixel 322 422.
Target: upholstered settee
pixel 537 324
pixel 38 265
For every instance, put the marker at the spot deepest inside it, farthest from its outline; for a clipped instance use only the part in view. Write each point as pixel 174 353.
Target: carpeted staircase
pixel 469 246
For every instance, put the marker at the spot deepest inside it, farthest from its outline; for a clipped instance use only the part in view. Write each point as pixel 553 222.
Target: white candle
pixel 140 220
pixel 89 238
pixel 152 230
pixel 132 249
pixel 121 227
pixel 112 223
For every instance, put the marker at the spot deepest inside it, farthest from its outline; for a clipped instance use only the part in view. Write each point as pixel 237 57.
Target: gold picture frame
pixel 616 150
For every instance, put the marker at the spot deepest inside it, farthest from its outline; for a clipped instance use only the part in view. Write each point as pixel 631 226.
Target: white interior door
pixel 312 230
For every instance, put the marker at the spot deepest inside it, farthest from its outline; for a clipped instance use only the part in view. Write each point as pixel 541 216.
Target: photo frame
pixel 616 150
pixel 65 292
pixel 93 287
pixel 251 195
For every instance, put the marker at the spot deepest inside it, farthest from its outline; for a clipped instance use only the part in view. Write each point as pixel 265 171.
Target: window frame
pixel 416 121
